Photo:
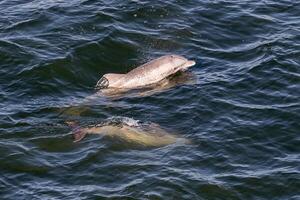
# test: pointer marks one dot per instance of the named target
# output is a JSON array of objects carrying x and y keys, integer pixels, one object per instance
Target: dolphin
[
  {"x": 150, "y": 135},
  {"x": 163, "y": 85},
  {"x": 146, "y": 74},
  {"x": 111, "y": 94}
]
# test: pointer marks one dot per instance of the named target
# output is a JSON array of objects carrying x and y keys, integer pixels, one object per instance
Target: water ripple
[{"x": 240, "y": 110}]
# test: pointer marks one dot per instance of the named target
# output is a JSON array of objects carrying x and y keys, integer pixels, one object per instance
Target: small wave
[{"x": 257, "y": 106}]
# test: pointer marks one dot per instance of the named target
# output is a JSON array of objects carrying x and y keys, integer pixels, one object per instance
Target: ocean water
[{"x": 239, "y": 105}]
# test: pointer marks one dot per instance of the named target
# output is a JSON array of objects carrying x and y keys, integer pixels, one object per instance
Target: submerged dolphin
[
  {"x": 150, "y": 135},
  {"x": 146, "y": 74}
]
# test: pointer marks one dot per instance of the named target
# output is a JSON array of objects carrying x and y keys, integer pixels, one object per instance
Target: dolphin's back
[
  {"x": 154, "y": 138},
  {"x": 164, "y": 61},
  {"x": 146, "y": 74},
  {"x": 152, "y": 71},
  {"x": 150, "y": 66}
]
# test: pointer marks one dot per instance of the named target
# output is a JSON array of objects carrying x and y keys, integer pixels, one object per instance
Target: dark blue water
[{"x": 241, "y": 110}]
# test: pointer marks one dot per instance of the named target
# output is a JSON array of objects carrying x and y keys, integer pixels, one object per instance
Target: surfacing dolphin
[
  {"x": 130, "y": 131},
  {"x": 146, "y": 74},
  {"x": 181, "y": 78}
]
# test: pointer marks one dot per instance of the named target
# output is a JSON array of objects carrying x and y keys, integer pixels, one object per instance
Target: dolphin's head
[
  {"x": 180, "y": 63},
  {"x": 188, "y": 64}
]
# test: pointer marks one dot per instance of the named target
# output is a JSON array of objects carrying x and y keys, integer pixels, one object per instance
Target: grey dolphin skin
[{"x": 146, "y": 74}]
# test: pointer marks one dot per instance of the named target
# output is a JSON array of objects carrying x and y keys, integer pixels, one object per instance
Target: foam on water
[{"x": 124, "y": 120}]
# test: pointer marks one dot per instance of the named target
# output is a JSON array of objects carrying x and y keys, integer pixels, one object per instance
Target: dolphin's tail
[
  {"x": 78, "y": 132},
  {"x": 102, "y": 83}
]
